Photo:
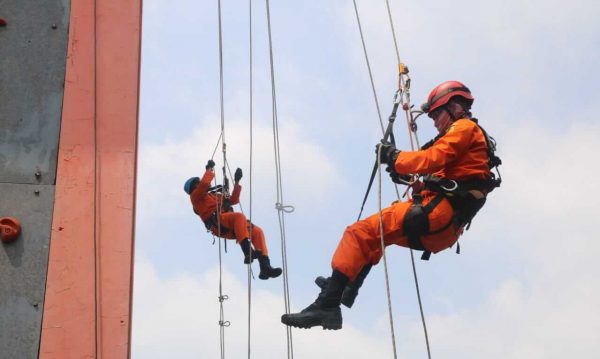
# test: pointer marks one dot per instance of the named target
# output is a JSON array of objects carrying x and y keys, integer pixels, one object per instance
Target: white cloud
[
  {"x": 543, "y": 217},
  {"x": 177, "y": 318},
  {"x": 164, "y": 167},
  {"x": 545, "y": 211}
]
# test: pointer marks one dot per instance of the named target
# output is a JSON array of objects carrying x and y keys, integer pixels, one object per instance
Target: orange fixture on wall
[{"x": 10, "y": 228}]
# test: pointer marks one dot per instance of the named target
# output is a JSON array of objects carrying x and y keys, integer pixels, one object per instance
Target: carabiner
[{"x": 450, "y": 189}]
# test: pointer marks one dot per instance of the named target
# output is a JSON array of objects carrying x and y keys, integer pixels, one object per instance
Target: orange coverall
[
  {"x": 461, "y": 154},
  {"x": 234, "y": 225}
]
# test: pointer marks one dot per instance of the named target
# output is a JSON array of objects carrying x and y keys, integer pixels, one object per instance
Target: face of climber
[
  {"x": 441, "y": 119},
  {"x": 444, "y": 116}
]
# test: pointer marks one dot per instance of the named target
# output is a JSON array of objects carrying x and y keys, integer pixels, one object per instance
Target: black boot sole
[
  {"x": 274, "y": 273},
  {"x": 328, "y": 319}
]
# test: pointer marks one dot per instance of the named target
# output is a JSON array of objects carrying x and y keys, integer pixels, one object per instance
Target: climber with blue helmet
[{"x": 214, "y": 206}]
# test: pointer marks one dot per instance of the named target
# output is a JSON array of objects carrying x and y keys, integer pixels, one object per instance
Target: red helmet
[{"x": 443, "y": 92}]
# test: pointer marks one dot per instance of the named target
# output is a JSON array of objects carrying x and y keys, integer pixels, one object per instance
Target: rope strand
[
  {"x": 280, "y": 213},
  {"x": 222, "y": 323},
  {"x": 404, "y": 87},
  {"x": 403, "y": 95},
  {"x": 250, "y": 170},
  {"x": 385, "y": 265}
]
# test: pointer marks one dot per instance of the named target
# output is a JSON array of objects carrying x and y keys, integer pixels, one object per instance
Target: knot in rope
[
  {"x": 286, "y": 209},
  {"x": 225, "y": 323},
  {"x": 223, "y": 298}
]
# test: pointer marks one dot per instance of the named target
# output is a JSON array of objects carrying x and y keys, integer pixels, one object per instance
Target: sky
[{"x": 526, "y": 282}]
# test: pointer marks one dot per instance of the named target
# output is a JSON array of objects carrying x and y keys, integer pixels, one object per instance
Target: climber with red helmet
[
  {"x": 214, "y": 206},
  {"x": 456, "y": 166}
]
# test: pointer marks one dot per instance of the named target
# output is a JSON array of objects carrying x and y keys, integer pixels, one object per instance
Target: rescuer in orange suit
[
  {"x": 208, "y": 201},
  {"x": 457, "y": 163}
]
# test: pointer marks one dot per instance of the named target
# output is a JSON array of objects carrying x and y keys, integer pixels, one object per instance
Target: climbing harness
[
  {"x": 466, "y": 198},
  {"x": 416, "y": 222}
]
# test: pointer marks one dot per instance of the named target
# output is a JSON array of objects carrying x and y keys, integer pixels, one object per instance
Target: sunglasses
[{"x": 435, "y": 113}]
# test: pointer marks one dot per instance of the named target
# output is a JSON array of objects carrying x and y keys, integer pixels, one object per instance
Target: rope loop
[
  {"x": 286, "y": 208},
  {"x": 224, "y": 323}
]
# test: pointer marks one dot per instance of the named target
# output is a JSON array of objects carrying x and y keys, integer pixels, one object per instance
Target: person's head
[
  {"x": 191, "y": 184},
  {"x": 448, "y": 102}
]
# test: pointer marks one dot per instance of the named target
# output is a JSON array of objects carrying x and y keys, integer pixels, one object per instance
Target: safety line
[
  {"x": 406, "y": 109},
  {"x": 385, "y": 265},
  {"x": 216, "y": 146},
  {"x": 362, "y": 39},
  {"x": 402, "y": 83},
  {"x": 222, "y": 323},
  {"x": 279, "y": 205},
  {"x": 403, "y": 92},
  {"x": 389, "y": 299},
  {"x": 250, "y": 176}
]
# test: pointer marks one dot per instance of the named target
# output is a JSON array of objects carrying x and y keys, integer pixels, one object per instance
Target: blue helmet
[{"x": 189, "y": 185}]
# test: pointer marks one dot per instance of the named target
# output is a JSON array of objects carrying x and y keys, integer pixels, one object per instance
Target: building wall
[
  {"x": 32, "y": 74},
  {"x": 69, "y": 90}
]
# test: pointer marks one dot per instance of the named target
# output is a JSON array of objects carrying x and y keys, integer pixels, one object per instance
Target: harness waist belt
[{"x": 213, "y": 221}]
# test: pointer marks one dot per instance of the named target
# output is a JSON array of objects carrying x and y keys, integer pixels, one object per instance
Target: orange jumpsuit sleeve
[
  {"x": 200, "y": 201},
  {"x": 443, "y": 152},
  {"x": 235, "y": 195}
]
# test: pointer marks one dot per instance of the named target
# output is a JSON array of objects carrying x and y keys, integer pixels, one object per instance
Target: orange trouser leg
[
  {"x": 236, "y": 224},
  {"x": 258, "y": 239},
  {"x": 361, "y": 242}
]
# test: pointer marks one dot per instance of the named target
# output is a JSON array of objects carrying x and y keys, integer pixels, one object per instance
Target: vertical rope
[
  {"x": 406, "y": 107},
  {"x": 364, "y": 46},
  {"x": 251, "y": 150},
  {"x": 402, "y": 83},
  {"x": 404, "y": 97},
  {"x": 389, "y": 299},
  {"x": 279, "y": 205},
  {"x": 362, "y": 39},
  {"x": 222, "y": 323},
  {"x": 385, "y": 265}
]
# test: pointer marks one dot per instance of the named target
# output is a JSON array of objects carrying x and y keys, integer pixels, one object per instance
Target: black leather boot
[
  {"x": 325, "y": 311},
  {"x": 351, "y": 290},
  {"x": 266, "y": 271},
  {"x": 249, "y": 253}
]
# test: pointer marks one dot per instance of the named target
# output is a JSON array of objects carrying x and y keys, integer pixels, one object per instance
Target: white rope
[
  {"x": 280, "y": 212},
  {"x": 250, "y": 175},
  {"x": 385, "y": 265},
  {"x": 222, "y": 323},
  {"x": 403, "y": 95},
  {"x": 405, "y": 88}
]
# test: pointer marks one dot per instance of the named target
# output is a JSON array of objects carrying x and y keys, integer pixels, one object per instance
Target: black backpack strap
[{"x": 416, "y": 222}]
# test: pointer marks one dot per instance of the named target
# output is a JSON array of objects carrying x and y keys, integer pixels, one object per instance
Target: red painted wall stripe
[{"x": 87, "y": 309}]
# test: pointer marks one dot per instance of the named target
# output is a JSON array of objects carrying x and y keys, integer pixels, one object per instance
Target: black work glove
[
  {"x": 388, "y": 154},
  {"x": 398, "y": 178},
  {"x": 210, "y": 165},
  {"x": 238, "y": 175}
]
